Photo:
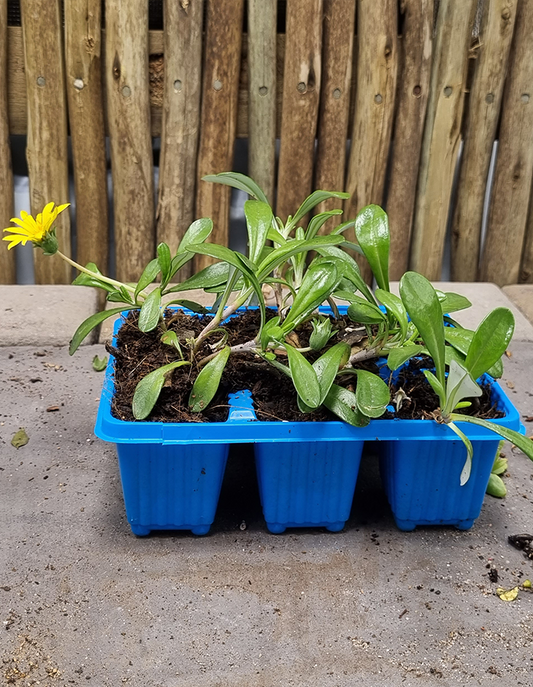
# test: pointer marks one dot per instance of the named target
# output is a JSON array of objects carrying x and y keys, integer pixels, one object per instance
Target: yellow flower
[{"x": 34, "y": 229}]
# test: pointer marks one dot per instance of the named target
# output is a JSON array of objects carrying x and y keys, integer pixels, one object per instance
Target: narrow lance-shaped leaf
[
  {"x": 258, "y": 222},
  {"x": 523, "y": 443},
  {"x": 318, "y": 221},
  {"x": 350, "y": 269},
  {"x": 283, "y": 253},
  {"x": 239, "y": 181},
  {"x": 318, "y": 283},
  {"x": 395, "y": 306},
  {"x": 148, "y": 389},
  {"x": 304, "y": 378},
  {"x": 150, "y": 272},
  {"x": 452, "y": 302},
  {"x": 459, "y": 385},
  {"x": 164, "y": 259},
  {"x": 198, "y": 231},
  {"x": 490, "y": 341},
  {"x": 150, "y": 311},
  {"x": 460, "y": 339},
  {"x": 209, "y": 277},
  {"x": 372, "y": 232},
  {"x": 207, "y": 382},
  {"x": 85, "y": 280},
  {"x": 90, "y": 323},
  {"x": 313, "y": 200},
  {"x": 467, "y": 467},
  {"x": 327, "y": 367},
  {"x": 360, "y": 310},
  {"x": 423, "y": 306}
]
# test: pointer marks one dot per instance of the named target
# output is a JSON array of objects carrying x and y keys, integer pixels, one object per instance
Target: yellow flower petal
[
  {"x": 34, "y": 229},
  {"x": 15, "y": 240}
]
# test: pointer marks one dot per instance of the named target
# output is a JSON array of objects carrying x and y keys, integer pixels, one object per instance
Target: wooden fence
[{"x": 405, "y": 82}]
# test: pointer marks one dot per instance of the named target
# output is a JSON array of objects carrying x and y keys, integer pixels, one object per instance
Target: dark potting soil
[{"x": 138, "y": 353}]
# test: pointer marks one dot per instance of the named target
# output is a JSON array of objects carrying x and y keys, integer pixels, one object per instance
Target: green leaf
[
  {"x": 120, "y": 296},
  {"x": 523, "y": 443},
  {"x": 258, "y": 222},
  {"x": 240, "y": 181},
  {"x": 341, "y": 228},
  {"x": 190, "y": 305},
  {"x": 350, "y": 269},
  {"x": 490, "y": 341},
  {"x": 360, "y": 310},
  {"x": 99, "y": 364},
  {"x": 198, "y": 232},
  {"x": 312, "y": 201},
  {"x": 342, "y": 402},
  {"x": 164, "y": 259},
  {"x": 423, "y": 306},
  {"x": 500, "y": 465},
  {"x": 151, "y": 271},
  {"x": 372, "y": 232},
  {"x": 327, "y": 367},
  {"x": 467, "y": 467},
  {"x": 293, "y": 247},
  {"x": 318, "y": 221},
  {"x": 207, "y": 382},
  {"x": 85, "y": 280},
  {"x": 20, "y": 438},
  {"x": 399, "y": 356},
  {"x": 90, "y": 323},
  {"x": 150, "y": 311},
  {"x": 395, "y": 306},
  {"x": 496, "y": 486},
  {"x": 148, "y": 389},
  {"x": 371, "y": 393},
  {"x": 437, "y": 387},
  {"x": 461, "y": 339},
  {"x": 452, "y": 302},
  {"x": 304, "y": 378},
  {"x": 275, "y": 236},
  {"x": 210, "y": 277},
  {"x": 270, "y": 331},
  {"x": 318, "y": 284}
]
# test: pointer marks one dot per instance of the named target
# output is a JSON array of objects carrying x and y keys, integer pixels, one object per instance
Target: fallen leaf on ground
[
  {"x": 508, "y": 354},
  {"x": 52, "y": 409},
  {"x": 507, "y": 594},
  {"x": 510, "y": 384},
  {"x": 526, "y": 584},
  {"x": 20, "y": 438},
  {"x": 529, "y": 418},
  {"x": 99, "y": 364}
]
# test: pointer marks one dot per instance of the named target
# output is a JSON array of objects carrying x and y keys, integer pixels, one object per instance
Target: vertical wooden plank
[
  {"x": 220, "y": 93},
  {"x": 514, "y": 165},
  {"x": 415, "y": 51},
  {"x": 83, "y": 31},
  {"x": 128, "y": 111},
  {"x": 377, "y": 66},
  {"x": 301, "y": 94},
  {"x": 483, "y": 113},
  {"x": 262, "y": 22},
  {"x": 7, "y": 259},
  {"x": 47, "y": 125},
  {"x": 181, "y": 121},
  {"x": 526, "y": 268},
  {"x": 442, "y": 134},
  {"x": 337, "y": 58}
]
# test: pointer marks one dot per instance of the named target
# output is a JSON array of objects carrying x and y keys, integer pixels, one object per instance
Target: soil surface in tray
[{"x": 138, "y": 353}]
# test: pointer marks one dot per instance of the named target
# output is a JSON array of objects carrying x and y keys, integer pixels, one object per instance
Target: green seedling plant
[{"x": 487, "y": 345}]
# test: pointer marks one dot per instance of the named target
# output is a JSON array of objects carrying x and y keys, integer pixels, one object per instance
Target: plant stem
[
  {"x": 239, "y": 348},
  {"x": 95, "y": 275}
]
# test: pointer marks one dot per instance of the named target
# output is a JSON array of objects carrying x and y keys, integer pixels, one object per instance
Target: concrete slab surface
[
  {"x": 84, "y": 602},
  {"x": 48, "y": 315},
  {"x": 522, "y": 296}
]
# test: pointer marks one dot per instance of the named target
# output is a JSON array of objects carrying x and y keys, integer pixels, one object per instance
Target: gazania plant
[{"x": 307, "y": 266}]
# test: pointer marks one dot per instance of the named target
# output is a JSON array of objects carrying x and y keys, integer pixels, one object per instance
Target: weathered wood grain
[
  {"x": 483, "y": 113},
  {"x": 128, "y": 111},
  {"x": 219, "y": 113},
  {"x": 415, "y": 51},
  {"x": 262, "y": 16},
  {"x": 337, "y": 60},
  {"x": 86, "y": 118},
  {"x": 377, "y": 65},
  {"x": 526, "y": 268},
  {"x": 442, "y": 135},
  {"x": 181, "y": 121},
  {"x": 514, "y": 165},
  {"x": 301, "y": 95},
  {"x": 46, "y": 150},
  {"x": 7, "y": 258}
]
